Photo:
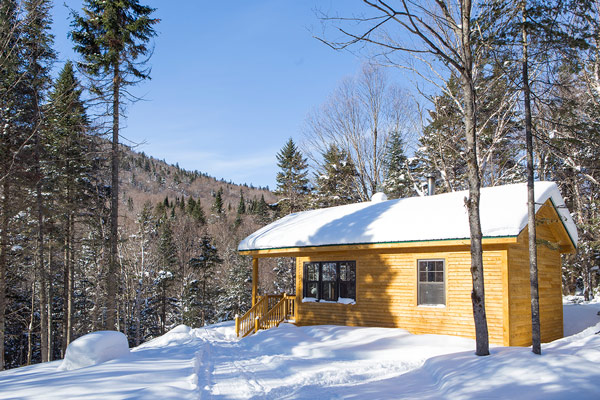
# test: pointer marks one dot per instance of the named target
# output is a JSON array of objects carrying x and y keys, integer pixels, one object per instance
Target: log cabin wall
[
  {"x": 549, "y": 234},
  {"x": 386, "y": 291}
]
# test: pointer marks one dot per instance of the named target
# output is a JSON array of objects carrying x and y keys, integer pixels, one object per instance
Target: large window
[
  {"x": 330, "y": 281},
  {"x": 431, "y": 282}
]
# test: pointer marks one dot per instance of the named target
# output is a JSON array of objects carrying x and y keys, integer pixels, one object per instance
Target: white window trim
[{"x": 433, "y": 306}]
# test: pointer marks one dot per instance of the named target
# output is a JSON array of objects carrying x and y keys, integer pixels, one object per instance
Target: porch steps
[{"x": 268, "y": 312}]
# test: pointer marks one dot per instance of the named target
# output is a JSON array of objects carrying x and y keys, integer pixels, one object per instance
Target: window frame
[
  {"x": 442, "y": 284},
  {"x": 321, "y": 282}
]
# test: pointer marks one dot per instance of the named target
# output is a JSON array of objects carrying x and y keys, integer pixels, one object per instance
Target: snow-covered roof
[{"x": 503, "y": 211}]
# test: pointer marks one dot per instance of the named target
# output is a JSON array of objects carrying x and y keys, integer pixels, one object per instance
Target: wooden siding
[
  {"x": 386, "y": 290},
  {"x": 550, "y": 242}
]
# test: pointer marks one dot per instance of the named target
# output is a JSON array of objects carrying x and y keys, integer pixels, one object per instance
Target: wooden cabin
[{"x": 406, "y": 264}]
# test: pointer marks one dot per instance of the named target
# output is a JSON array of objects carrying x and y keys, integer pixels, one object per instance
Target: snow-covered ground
[{"x": 328, "y": 362}]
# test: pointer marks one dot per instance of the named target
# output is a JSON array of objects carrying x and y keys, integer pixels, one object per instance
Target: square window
[{"x": 330, "y": 281}]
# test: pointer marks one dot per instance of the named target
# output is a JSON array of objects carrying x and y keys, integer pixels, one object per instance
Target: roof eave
[{"x": 295, "y": 250}]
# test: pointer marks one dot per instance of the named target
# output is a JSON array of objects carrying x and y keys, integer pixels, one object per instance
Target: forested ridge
[{"x": 178, "y": 260}]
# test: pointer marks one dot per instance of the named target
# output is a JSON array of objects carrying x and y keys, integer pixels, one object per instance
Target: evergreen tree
[
  {"x": 191, "y": 205},
  {"x": 11, "y": 140},
  {"x": 285, "y": 275},
  {"x": 242, "y": 204},
  {"x": 335, "y": 181},
  {"x": 111, "y": 36},
  {"x": 69, "y": 146},
  {"x": 168, "y": 262},
  {"x": 442, "y": 145},
  {"x": 262, "y": 211},
  {"x": 236, "y": 299},
  {"x": 397, "y": 183},
  {"x": 163, "y": 302},
  {"x": 217, "y": 207},
  {"x": 241, "y": 210},
  {"x": 39, "y": 56},
  {"x": 198, "y": 213},
  {"x": 204, "y": 263},
  {"x": 292, "y": 181}
]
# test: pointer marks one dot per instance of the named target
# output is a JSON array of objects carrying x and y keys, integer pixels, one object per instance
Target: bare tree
[
  {"x": 440, "y": 33},
  {"x": 359, "y": 118}
]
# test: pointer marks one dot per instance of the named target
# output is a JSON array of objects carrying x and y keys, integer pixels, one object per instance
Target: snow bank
[
  {"x": 329, "y": 362},
  {"x": 179, "y": 335},
  {"x": 94, "y": 348},
  {"x": 579, "y": 315}
]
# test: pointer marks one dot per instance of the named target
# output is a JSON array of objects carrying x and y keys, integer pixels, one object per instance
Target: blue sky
[{"x": 231, "y": 82}]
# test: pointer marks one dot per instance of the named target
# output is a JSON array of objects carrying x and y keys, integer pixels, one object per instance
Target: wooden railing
[
  {"x": 277, "y": 314},
  {"x": 269, "y": 311},
  {"x": 247, "y": 323}
]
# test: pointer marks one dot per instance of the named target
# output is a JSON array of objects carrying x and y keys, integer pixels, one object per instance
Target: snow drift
[
  {"x": 327, "y": 362},
  {"x": 94, "y": 348}
]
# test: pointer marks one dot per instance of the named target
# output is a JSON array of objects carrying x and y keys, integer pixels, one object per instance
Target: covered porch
[{"x": 267, "y": 311}]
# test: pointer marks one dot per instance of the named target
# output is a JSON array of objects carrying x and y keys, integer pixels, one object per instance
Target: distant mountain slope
[{"x": 145, "y": 178}]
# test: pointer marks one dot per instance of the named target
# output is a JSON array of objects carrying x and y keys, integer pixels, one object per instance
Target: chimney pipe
[{"x": 430, "y": 185}]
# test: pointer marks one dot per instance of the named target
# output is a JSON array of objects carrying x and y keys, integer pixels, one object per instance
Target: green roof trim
[{"x": 367, "y": 243}]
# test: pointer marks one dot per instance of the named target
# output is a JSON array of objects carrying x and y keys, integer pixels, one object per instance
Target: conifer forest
[{"x": 97, "y": 236}]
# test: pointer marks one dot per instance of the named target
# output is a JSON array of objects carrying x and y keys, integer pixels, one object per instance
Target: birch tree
[
  {"x": 359, "y": 118},
  {"x": 440, "y": 33}
]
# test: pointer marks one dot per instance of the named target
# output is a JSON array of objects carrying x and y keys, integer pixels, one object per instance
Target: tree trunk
[
  {"x": 4, "y": 242},
  {"x": 70, "y": 277},
  {"x": 49, "y": 305},
  {"x": 40, "y": 265},
  {"x": 111, "y": 279},
  {"x": 65, "y": 291},
  {"x": 137, "y": 314},
  {"x": 533, "y": 269},
  {"x": 164, "y": 311},
  {"x": 478, "y": 291},
  {"x": 30, "y": 326}
]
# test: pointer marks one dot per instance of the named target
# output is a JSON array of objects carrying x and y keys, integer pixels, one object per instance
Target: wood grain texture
[
  {"x": 549, "y": 279},
  {"x": 386, "y": 290}
]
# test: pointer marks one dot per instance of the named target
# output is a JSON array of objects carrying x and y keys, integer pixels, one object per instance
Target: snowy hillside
[{"x": 328, "y": 362}]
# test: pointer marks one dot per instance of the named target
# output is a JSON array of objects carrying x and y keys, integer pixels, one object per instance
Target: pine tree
[
  {"x": 191, "y": 205},
  {"x": 397, "y": 183},
  {"x": 198, "y": 213},
  {"x": 261, "y": 210},
  {"x": 335, "y": 181},
  {"x": 442, "y": 146},
  {"x": 285, "y": 275},
  {"x": 241, "y": 210},
  {"x": 10, "y": 142},
  {"x": 69, "y": 145},
  {"x": 168, "y": 262},
  {"x": 217, "y": 207},
  {"x": 292, "y": 181},
  {"x": 204, "y": 263},
  {"x": 236, "y": 299},
  {"x": 39, "y": 56},
  {"x": 111, "y": 36}
]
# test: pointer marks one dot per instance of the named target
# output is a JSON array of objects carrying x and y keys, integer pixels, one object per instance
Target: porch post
[{"x": 254, "y": 280}]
